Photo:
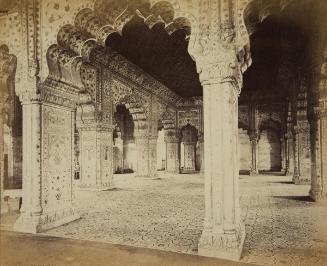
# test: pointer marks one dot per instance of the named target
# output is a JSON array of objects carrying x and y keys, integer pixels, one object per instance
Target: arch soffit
[{"x": 70, "y": 59}]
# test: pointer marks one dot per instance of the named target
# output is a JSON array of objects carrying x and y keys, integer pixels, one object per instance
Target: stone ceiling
[
  {"x": 278, "y": 52},
  {"x": 164, "y": 57}
]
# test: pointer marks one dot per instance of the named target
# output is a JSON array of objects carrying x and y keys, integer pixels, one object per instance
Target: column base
[
  {"x": 253, "y": 172},
  {"x": 301, "y": 180},
  {"x": 318, "y": 195},
  {"x": 225, "y": 245},
  {"x": 35, "y": 223}
]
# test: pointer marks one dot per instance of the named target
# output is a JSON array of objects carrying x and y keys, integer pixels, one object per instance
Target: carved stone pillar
[
  {"x": 96, "y": 158},
  {"x": 201, "y": 143},
  {"x": 223, "y": 234},
  {"x": 318, "y": 134},
  {"x": 289, "y": 154},
  {"x": 283, "y": 154},
  {"x": 254, "y": 138},
  {"x": 172, "y": 153},
  {"x": 318, "y": 129},
  {"x": 296, "y": 156},
  {"x": 302, "y": 148},
  {"x": 146, "y": 152},
  {"x": 48, "y": 156}
]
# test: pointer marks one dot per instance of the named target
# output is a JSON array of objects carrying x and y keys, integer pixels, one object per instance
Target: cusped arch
[{"x": 81, "y": 52}]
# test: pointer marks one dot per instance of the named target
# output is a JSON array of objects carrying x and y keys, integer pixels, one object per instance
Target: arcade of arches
[{"x": 93, "y": 88}]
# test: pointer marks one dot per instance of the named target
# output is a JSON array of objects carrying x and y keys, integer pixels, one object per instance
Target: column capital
[{"x": 220, "y": 68}]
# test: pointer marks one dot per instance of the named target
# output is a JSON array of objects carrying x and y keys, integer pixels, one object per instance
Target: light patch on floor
[{"x": 283, "y": 226}]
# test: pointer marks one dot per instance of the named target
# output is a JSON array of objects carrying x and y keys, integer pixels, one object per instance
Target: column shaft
[{"x": 223, "y": 234}]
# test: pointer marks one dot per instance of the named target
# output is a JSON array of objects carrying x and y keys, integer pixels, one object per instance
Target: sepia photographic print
[{"x": 163, "y": 132}]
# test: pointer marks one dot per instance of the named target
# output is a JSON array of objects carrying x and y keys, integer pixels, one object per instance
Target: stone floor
[{"x": 283, "y": 226}]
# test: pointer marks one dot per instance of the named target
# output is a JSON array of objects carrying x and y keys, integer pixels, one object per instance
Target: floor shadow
[
  {"x": 282, "y": 182},
  {"x": 274, "y": 173},
  {"x": 296, "y": 198},
  {"x": 244, "y": 172}
]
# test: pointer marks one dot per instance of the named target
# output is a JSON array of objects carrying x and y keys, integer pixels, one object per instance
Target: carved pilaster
[
  {"x": 172, "y": 151},
  {"x": 146, "y": 151},
  {"x": 96, "y": 149},
  {"x": 47, "y": 166}
]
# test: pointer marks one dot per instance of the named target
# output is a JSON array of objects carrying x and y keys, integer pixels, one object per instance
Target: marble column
[
  {"x": 48, "y": 156},
  {"x": 224, "y": 233},
  {"x": 201, "y": 143},
  {"x": 302, "y": 148},
  {"x": 318, "y": 135},
  {"x": 254, "y": 137},
  {"x": 283, "y": 154},
  {"x": 289, "y": 154},
  {"x": 172, "y": 153},
  {"x": 296, "y": 173},
  {"x": 318, "y": 132},
  {"x": 96, "y": 164},
  {"x": 146, "y": 152}
]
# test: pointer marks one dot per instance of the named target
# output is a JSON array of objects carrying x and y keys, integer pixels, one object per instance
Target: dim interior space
[{"x": 137, "y": 125}]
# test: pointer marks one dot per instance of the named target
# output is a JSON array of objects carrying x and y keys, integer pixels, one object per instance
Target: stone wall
[{"x": 269, "y": 150}]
